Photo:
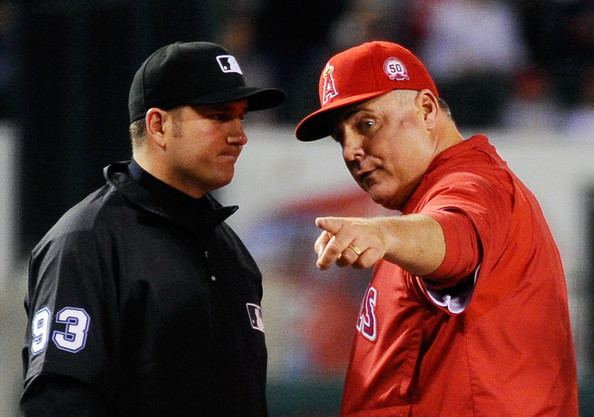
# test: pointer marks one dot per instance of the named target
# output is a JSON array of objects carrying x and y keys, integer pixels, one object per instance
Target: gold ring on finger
[{"x": 355, "y": 249}]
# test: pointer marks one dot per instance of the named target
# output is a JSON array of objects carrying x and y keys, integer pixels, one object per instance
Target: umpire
[{"x": 141, "y": 300}]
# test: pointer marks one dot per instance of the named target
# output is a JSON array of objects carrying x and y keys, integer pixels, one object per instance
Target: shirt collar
[{"x": 157, "y": 197}]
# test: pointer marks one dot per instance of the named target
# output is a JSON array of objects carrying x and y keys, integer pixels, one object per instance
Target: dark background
[
  {"x": 77, "y": 61},
  {"x": 67, "y": 65}
]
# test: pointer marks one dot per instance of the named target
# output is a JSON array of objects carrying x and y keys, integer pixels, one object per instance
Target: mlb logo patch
[
  {"x": 255, "y": 315},
  {"x": 228, "y": 63}
]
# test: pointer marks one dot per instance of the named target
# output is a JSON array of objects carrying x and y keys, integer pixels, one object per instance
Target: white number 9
[{"x": 40, "y": 330}]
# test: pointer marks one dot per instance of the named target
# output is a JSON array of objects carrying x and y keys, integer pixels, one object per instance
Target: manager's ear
[
  {"x": 155, "y": 126},
  {"x": 428, "y": 107}
]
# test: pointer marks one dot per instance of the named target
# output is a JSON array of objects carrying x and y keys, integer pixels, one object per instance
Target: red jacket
[{"x": 487, "y": 334}]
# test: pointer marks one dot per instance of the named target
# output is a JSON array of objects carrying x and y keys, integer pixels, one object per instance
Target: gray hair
[
  {"x": 407, "y": 96},
  {"x": 445, "y": 107}
]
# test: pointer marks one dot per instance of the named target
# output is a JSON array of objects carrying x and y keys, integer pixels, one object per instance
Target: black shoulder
[{"x": 91, "y": 215}]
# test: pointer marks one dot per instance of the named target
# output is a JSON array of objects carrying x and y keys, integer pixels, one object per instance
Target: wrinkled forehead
[
  {"x": 386, "y": 105},
  {"x": 395, "y": 99}
]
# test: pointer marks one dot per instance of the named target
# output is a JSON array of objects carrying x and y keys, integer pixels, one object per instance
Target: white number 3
[{"x": 72, "y": 339}]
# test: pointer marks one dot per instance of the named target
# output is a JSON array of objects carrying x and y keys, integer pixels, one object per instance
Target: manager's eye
[{"x": 366, "y": 124}]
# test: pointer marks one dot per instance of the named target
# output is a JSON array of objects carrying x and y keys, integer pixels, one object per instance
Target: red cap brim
[{"x": 320, "y": 123}]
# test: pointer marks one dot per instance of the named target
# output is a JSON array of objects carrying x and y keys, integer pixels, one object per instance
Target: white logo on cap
[
  {"x": 329, "y": 90},
  {"x": 395, "y": 69},
  {"x": 228, "y": 63}
]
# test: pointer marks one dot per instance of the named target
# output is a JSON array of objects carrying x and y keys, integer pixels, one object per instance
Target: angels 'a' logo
[
  {"x": 367, "y": 322},
  {"x": 329, "y": 88}
]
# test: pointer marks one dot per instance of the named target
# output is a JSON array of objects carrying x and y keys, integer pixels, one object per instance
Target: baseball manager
[{"x": 466, "y": 314}]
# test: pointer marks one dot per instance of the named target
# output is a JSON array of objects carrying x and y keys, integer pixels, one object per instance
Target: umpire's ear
[{"x": 155, "y": 120}]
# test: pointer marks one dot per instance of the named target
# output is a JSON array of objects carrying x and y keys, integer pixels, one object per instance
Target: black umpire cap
[{"x": 186, "y": 73}]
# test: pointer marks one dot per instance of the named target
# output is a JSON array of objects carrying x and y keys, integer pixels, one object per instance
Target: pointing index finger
[
  {"x": 330, "y": 224},
  {"x": 332, "y": 242}
]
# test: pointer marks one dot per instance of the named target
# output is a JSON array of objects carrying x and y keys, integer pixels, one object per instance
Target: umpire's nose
[{"x": 237, "y": 135}]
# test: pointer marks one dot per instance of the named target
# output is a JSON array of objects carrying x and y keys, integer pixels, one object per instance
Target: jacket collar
[{"x": 155, "y": 197}]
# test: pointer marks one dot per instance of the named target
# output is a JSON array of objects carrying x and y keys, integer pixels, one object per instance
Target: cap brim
[
  {"x": 258, "y": 98},
  {"x": 320, "y": 123}
]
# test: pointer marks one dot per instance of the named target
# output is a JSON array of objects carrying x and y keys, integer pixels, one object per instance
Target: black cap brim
[{"x": 258, "y": 98}]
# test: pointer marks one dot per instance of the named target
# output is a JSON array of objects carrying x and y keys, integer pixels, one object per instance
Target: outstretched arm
[{"x": 415, "y": 242}]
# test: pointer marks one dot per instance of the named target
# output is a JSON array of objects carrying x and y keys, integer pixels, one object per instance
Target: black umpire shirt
[{"x": 143, "y": 302}]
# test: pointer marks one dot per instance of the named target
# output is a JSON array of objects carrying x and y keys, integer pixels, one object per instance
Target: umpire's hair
[{"x": 137, "y": 131}]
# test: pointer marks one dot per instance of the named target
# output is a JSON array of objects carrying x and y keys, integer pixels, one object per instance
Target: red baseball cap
[{"x": 359, "y": 74}]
